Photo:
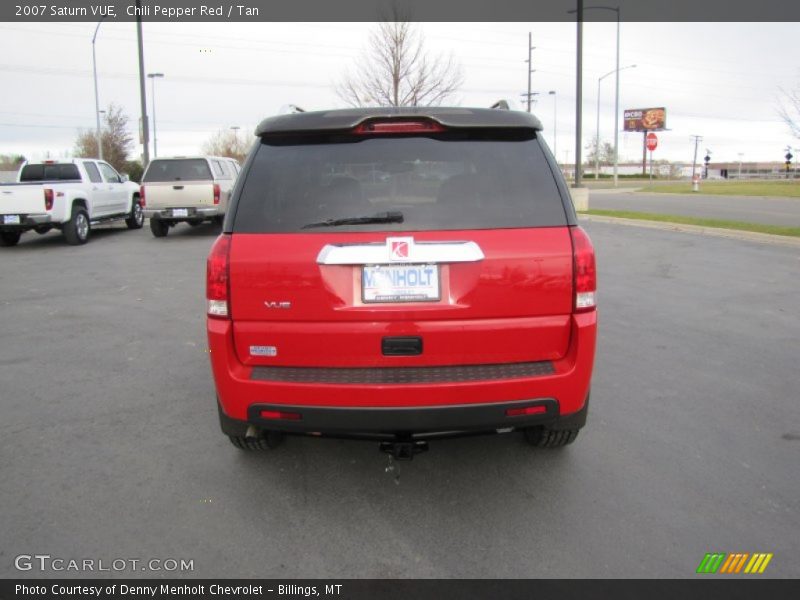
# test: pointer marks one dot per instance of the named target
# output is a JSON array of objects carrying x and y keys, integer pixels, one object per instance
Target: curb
[{"x": 750, "y": 236}]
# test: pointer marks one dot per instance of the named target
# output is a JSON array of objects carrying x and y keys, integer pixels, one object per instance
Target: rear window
[
  {"x": 188, "y": 169},
  {"x": 455, "y": 180},
  {"x": 56, "y": 172}
]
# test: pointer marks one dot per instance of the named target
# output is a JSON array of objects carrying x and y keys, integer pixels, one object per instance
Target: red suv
[{"x": 401, "y": 274}]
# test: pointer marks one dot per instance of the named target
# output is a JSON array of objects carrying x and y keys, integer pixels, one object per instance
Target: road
[
  {"x": 751, "y": 209},
  {"x": 110, "y": 445}
]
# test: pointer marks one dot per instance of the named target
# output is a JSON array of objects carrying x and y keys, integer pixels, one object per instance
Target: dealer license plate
[
  {"x": 180, "y": 212},
  {"x": 11, "y": 219},
  {"x": 400, "y": 283}
]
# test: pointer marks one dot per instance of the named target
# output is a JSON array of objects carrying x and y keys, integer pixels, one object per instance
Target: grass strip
[{"x": 700, "y": 222}]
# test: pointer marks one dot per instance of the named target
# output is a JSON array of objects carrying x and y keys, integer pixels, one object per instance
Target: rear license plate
[
  {"x": 400, "y": 283},
  {"x": 180, "y": 212},
  {"x": 11, "y": 219}
]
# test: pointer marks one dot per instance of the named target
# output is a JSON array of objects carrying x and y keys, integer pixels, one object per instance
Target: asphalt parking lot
[{"x": 110, "y": 444}]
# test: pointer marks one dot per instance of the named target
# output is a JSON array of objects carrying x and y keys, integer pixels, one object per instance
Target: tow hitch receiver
[{"x": 403, "y": 450}]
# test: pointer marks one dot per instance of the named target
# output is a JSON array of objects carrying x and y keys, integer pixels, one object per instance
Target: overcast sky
[{"x": 718, "y": 80}]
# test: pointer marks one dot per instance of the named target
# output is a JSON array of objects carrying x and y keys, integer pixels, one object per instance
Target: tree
[
  {"x": 117, "y": 140},
  {"x": 606, "y": 152},
  {"x": 395, "y": 70},
  {"x": 789, "y": 110},
  {"x": 227, "y": 142},
  {"x": 10, "y": 162}
]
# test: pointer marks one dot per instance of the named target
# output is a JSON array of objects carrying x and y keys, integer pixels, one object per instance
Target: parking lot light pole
[
  {"x": 153, "y": 77},
  {"x": 616, "y": 125},
  {"x": 96, "y": 94},
  {"x": 555, "y": 123}
]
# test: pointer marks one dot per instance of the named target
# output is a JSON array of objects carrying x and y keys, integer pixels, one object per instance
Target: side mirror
[{"x": 124, "y": 178}]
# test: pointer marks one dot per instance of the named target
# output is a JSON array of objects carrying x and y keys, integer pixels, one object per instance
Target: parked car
[
  {"x": 70, "y": 195},
  {"x": 187, "y": 188},
  {"x": 401, "y": 308}
]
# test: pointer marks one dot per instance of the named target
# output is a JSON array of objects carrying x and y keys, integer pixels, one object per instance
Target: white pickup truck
[
  {"x": 187, "y": 188},
  {"x": 69, "y": 195}
]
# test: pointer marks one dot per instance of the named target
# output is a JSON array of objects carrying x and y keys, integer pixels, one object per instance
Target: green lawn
[
  {"x": 683, "y": 220},
  {"x": 789, "y": 188}
]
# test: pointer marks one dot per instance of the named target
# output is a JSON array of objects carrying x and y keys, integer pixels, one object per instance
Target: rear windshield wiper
[{"x": 385, "y": 217}]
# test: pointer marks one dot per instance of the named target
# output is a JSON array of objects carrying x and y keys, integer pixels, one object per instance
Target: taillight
[
  {"x": 281, "y": 415},
  {"x": 585, "y": 272},
  {"x": 217, "y": 278},
  {"x": 48, "y": 199},
  {"x": 216, "y": 193},
  {"x": 399, "y": 126},
  {"x": 141, "y": 196}
]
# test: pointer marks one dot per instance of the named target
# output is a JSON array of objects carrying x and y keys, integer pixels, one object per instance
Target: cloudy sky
[{"x": 718, "y": 80}]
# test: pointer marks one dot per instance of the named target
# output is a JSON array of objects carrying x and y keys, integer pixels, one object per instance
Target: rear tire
[
  {"x": 540, "y": 437},
  {"x": 158, "y": 227},
  {"x": 9, "y": 238},
  {"x": 77, "y": 229},
  {"x": 269, "y": 440},
  {"x": 136, "y": 218}
]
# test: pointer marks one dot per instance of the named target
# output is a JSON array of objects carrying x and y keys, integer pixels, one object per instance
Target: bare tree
[
  {"x": 789, "y": 110},
  {"x": 227, "y": 142},
  {"x": 395, "y": 70},
  {"x": 117, "y": 139}
]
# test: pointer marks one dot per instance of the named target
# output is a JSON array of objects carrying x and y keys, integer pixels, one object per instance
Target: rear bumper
[
  {"x": 418, "y": 406},
  {"x": 26, "y": 222},
  {"x": 203, "y": 212}
]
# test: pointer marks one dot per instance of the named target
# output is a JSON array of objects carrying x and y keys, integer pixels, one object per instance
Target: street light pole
[
  {"x": 616, "y": 112},
  {"x": 153, "y": 77},
  {"x": 616, "y": 124},
  {"x": 555, "y": 123},
  {"x": 96, "y": 94}
]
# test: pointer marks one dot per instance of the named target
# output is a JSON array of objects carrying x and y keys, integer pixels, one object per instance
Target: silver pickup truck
[
  {"x": 69, "y": 195},
  {"x": 190, "y": 189}
]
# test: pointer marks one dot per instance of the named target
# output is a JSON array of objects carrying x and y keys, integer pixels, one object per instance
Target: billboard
[{"x": 645, "y": 119}]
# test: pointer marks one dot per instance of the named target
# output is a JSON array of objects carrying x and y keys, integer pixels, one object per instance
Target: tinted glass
[
  {"x": 62, "y": 172},
  {"x": 189, "y": 169},
  {"x": 449, "y": 182},
  {"x": 91, "y": 170}
]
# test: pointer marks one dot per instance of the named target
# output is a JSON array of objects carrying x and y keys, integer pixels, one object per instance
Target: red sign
[{"x": 652, "y": 141}]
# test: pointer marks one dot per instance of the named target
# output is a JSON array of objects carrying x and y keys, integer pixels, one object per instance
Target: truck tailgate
[
  {"x": 179, "y": 194},
  {"x": 21, "y": 199}
]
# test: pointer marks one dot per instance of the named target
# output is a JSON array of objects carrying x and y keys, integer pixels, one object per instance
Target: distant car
[
  {"x": 401, "y": 308},
  {"x": 70, "y": 195},
  {"x": 190, "y": 189}
]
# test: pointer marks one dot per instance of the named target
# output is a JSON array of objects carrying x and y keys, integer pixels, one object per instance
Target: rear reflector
[
  {"x": 585, "y": 271},
  {"x": 401, "y": 126},
  {"x": 217, "y": 284},
  {"x": 277, "y": 414},
  {"x": 528, "y": 410}
]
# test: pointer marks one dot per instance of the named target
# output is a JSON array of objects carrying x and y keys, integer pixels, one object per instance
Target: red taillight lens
[
  {"x": 279, "y": 414},
  {"x": 141, "y": 196},
  {"x": 585, "y": 272},
  {"x": 217, "y": 278},
  {"x": 401, "y": 126},
  {"x": 216, "y": 193},
  {"x": 48, "y": 199}
]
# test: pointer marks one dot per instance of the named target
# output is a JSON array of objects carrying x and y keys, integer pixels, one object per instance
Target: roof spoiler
[{"x": 501, "y": 105}]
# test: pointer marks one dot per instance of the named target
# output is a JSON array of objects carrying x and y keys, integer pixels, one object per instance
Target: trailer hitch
[{"x": 403, "y": 449}]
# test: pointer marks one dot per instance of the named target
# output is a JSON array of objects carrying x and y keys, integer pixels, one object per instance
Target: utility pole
[
  {"x": 529, "y": 95},
  {"x": 96, "y": 95},
  {"x": 579, "y": 95},
  {"x": 142, "y": 93},
  {"x": 697, "y": 140}
]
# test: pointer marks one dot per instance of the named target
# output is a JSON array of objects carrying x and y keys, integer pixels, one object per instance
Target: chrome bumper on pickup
[{"x": 191, "y": 213}]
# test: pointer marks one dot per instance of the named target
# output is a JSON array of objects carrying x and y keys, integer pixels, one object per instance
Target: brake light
[
  {"x": 584, "y": 271},
  {"x": 216, "y": 193},
  {"x": 402, "y": 126},
  {"x": 48, "y": 199},
  {"x": 217, "y": 278},
  {"x": 141, "y": 196}
]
